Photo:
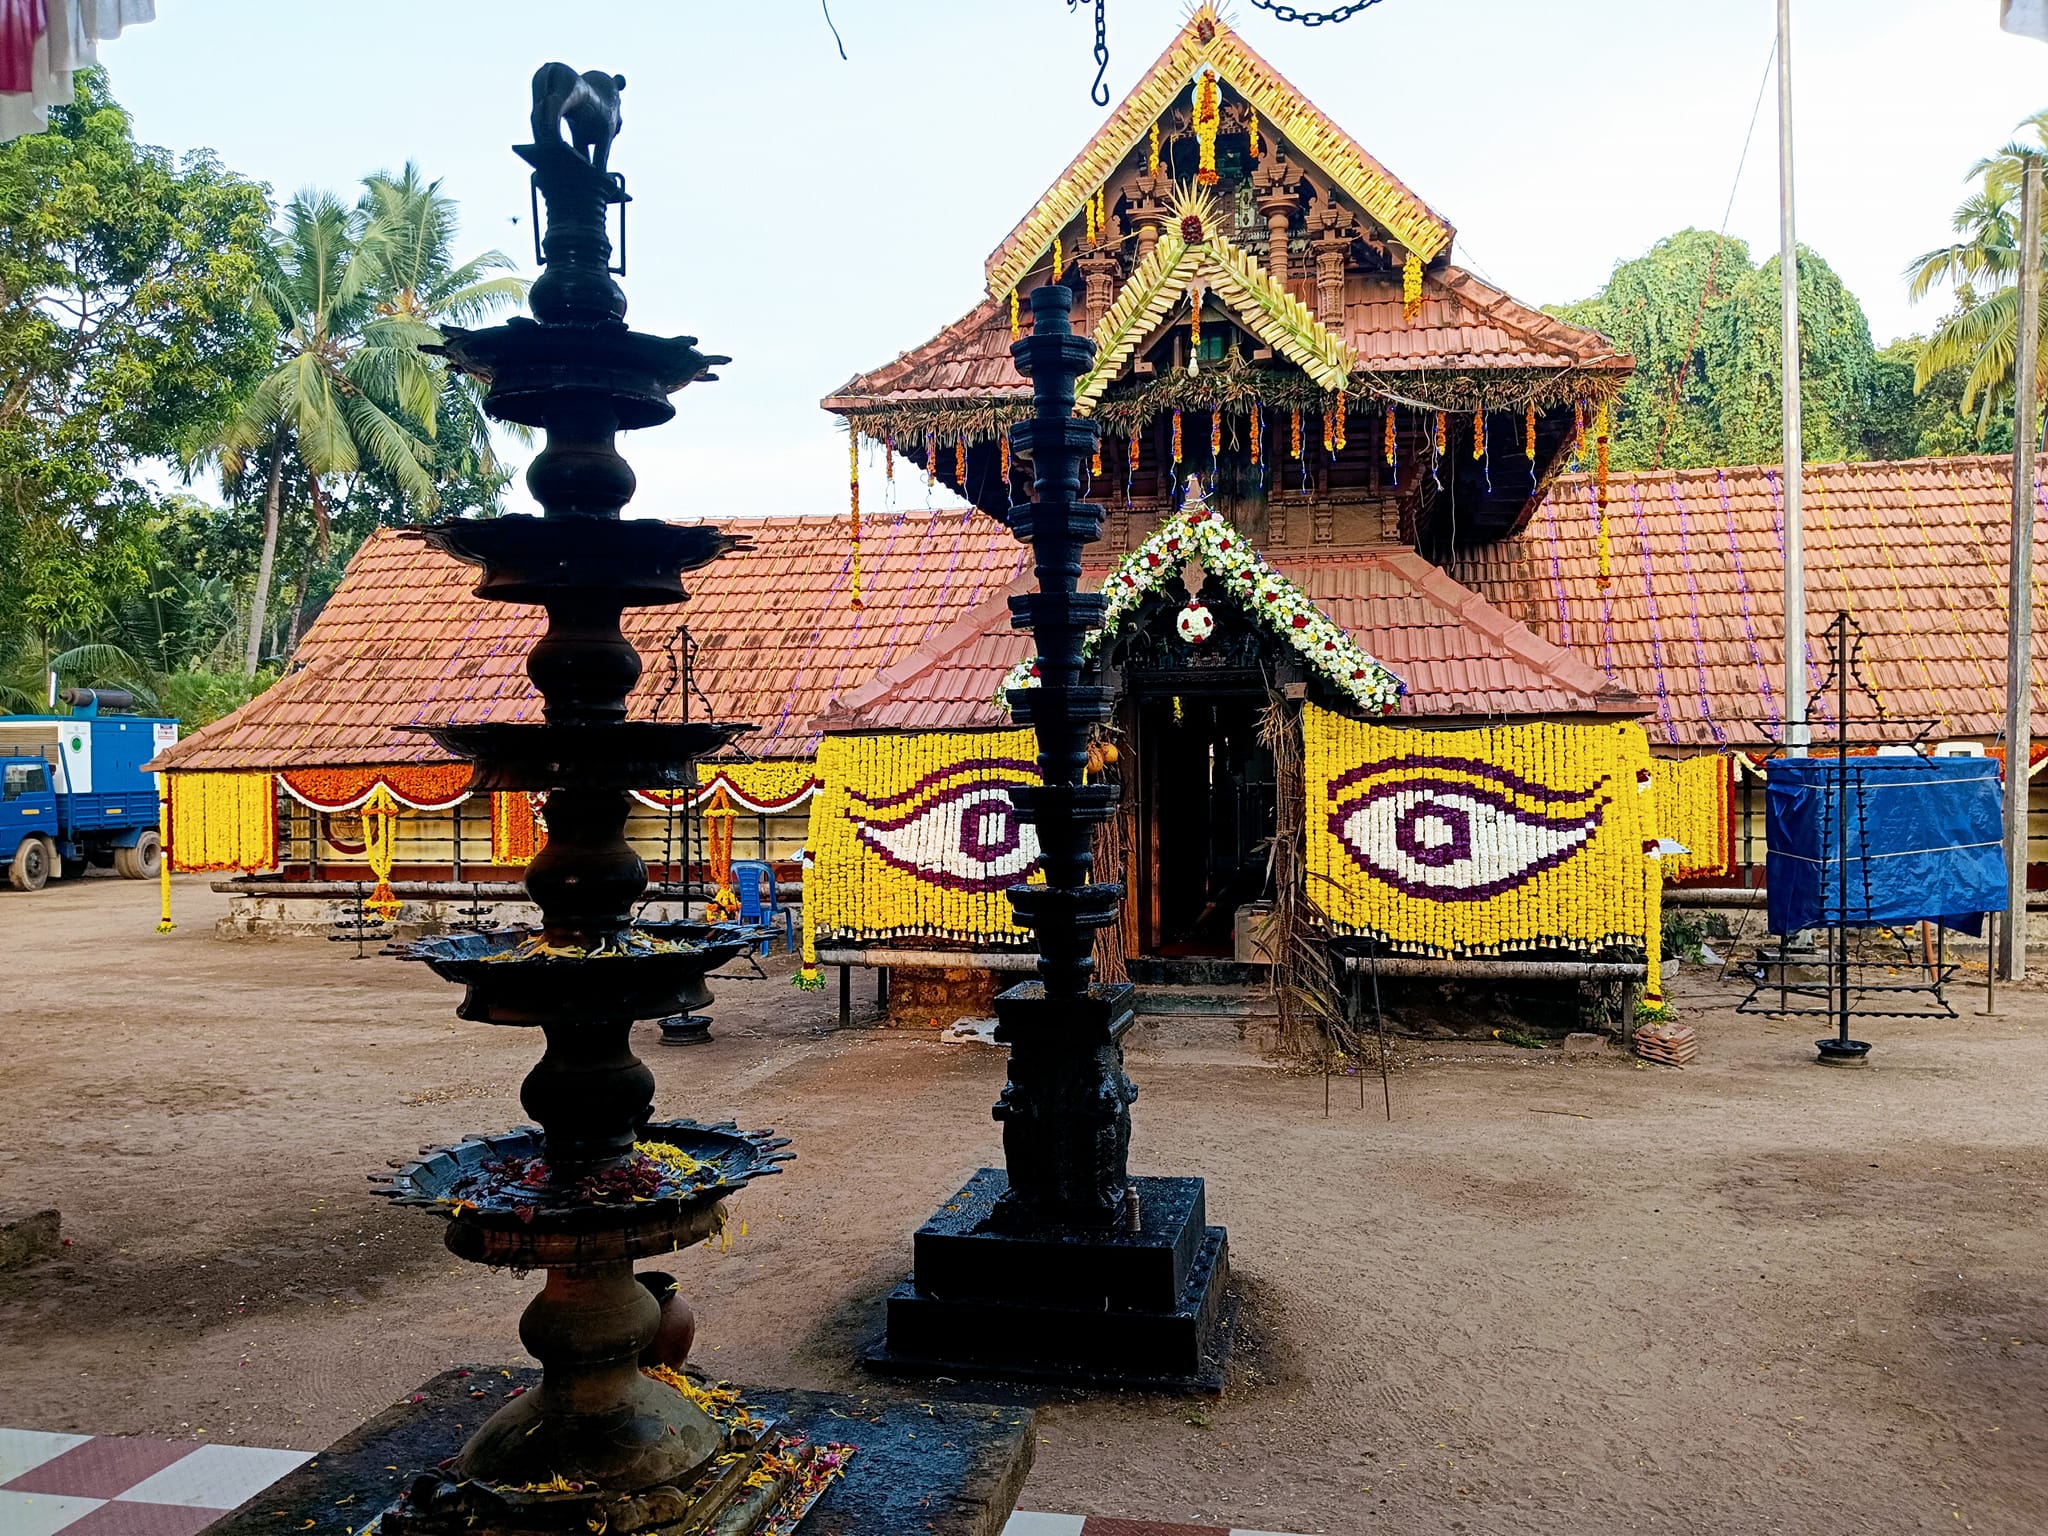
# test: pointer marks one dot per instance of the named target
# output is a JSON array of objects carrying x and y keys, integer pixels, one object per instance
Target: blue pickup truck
[{"x": 73, "y": 793}]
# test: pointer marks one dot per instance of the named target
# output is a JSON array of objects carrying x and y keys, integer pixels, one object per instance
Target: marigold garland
[
  {"x": 1294, "y": 433},
  {"x": 517, "y": 832},
  {"x": 1329, "y": 432},
  {"x": 889, "y": 456},
  {"x": 1693, "y": 810},
  {"x": 1535, "y": 837},
  {"x": 163, "y": 863},
  {"x": 1253, "y": 128},
  {"x": 853, "y": 521},
  {"x": 1059, "y": 261},
  {"x": 1003, "y": 451},
  {"x": 1208, "y": 118},
  {"x": 913, "y": 835},
  {"x": 417, "y": 786},
  {"x": 380, "y": 846},
  {"x": 1257, "y": 417},
  {"x": 719, "y": 819},
  {"x": 1411, "y": 287},
  {"x": 1088, "y": 218},
  {"x": 1215, "y": 434},
  {"x": 1176, "y": 435},
  {"x": 1095, "y": 460},
  {"x": 1440, "y": 434},
  {"x": 931, "y": 458},
  {"x": 1340, "y": 408},
  {"x": 1529, "y": 434},
  {"x": 221, "y": 821},
  {"x": 960, "y": 462},
  {"x": 1152, "y": 153},
  {"x": 1390, "y": 443},
  {"x": 1479, "y": 434},
  {"x": 1016, "y": 328}
]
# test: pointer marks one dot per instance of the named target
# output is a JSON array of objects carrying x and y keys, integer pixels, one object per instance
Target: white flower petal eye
[
  {"x": 1457, "y": 841},
  {"x": 967, "y": 838}
]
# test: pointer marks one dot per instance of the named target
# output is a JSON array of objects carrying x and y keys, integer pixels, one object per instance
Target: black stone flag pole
[{"x": 1062, "y": 1267}]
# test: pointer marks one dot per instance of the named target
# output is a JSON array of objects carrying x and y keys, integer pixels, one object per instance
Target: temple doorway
[{"x": 1207, "y": 816}]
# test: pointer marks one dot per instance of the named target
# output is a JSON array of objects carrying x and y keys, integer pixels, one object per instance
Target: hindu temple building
[{"x": 1403, "y": 523}]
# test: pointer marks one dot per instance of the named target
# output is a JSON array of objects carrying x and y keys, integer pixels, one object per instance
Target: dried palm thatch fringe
[{"x": 1311, "y": 1026}]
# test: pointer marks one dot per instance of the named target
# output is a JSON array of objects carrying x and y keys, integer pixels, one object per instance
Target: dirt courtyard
[{"x": 1552, "y": 1295}]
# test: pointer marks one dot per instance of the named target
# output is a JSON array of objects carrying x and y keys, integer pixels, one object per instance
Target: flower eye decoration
[
  {"x": 1457, "y": 828},
  {"x": 954, "y": 828}
]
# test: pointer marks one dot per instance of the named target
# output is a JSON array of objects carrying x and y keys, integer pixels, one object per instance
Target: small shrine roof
[{"x": 1693, "y": 615}]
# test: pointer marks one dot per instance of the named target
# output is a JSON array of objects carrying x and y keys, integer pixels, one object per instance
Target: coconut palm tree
[
  {"x": 409, "y": 228},
  {"x": 1982, "y": 269},
  {"x": 357, "y": 292}
]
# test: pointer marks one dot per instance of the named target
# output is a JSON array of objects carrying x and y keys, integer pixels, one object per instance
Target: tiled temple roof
[{"x": 1693, "y": 615}]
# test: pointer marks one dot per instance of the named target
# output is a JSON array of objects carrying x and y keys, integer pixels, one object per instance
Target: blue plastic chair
[{"x": 754, "y": 880}]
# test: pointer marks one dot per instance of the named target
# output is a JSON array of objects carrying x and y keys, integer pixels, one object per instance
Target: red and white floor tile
[{"x": 107, "y": 1485}]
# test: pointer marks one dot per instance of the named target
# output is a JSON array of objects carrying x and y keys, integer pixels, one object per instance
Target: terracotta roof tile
[
  {"x": 1693, "y": 618},
  {"x": 404, "y": 641},
  {"x": 1459, "y": 656}
]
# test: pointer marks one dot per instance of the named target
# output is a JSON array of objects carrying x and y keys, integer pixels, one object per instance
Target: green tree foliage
[
  {"x": 1978, "y": 339},
  {"x": 1703, "y": 323},
  {"x": 127, "y": 333}
]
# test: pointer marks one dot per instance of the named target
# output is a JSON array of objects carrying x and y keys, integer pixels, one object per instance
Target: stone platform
[
  {"x": 934, "y": 1469},
  {"x": 1146, "y": 1309}
]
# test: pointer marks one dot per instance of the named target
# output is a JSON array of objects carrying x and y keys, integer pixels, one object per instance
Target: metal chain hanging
[
  {"x": 1312, "y": 18},
  {"x": 1099, "y": 92}
]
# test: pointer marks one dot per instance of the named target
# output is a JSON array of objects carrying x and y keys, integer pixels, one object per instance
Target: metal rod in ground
[
  {"x": 2019, "y": 647},
  {"x": 1991, "y": 965},
  {"x": 1842, "y": 822}
]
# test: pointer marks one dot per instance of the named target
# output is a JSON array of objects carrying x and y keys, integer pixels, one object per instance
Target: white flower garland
[{"x": 1204, "y": 535}]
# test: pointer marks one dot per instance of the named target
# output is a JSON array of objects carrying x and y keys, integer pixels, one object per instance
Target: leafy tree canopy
[
  {"x": 1703, "y": 322},
  {"x": 128, "y": 332}
]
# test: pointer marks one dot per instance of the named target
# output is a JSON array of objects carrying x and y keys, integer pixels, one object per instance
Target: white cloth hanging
[{"x": 70, "y": 41}]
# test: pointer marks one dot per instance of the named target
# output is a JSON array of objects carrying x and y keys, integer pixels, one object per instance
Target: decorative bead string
[
  {"x": 1564, "y": 613},
  {"x": 1756, "y": 655},
  {"x": 1635, "y": 492},
  {"x": 1692, "y": 587}
]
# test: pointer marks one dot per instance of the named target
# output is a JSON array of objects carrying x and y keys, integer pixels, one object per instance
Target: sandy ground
[{"x": 1556, "y": 1295}]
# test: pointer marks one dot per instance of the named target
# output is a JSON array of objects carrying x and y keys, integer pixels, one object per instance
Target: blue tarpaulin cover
[{"x": 1924, "y": 842}]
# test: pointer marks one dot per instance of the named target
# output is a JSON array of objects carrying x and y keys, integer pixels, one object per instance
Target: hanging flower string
[
  {"x": 1479, "y": 434},
  {"x": 1340, "y": 409},
  {"x": 1440, "y": 434},
  {"x": 1003, "y": 442},
  {"x": 1390, "y": 437},
  {"x": 1294, "y": 433},
  {"x": 1411, "y": 287},
  {"x": 853, "y": 521},
  {"x": 1152, "y": 153},
  {"x": 1529, "y": 434},
  {"x": 1329, "y": 432},
  {"x": 1600, "y": 423},
  {"x": 1215, "y": 434},
  {"x": 380, "y": 844},
  {"x": 1252, "y": 146},
  {"x": 1202, "y": 534},
  {"x": 1257, "y": 413},
  {"x": 1016, "y": 329},
  {"x": 1176, "y": 435},
  {"x": 1208, "y": 118},
  {"x": 1059, "y": 261}
]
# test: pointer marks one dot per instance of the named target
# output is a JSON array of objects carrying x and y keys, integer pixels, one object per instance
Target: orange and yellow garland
[
  {"x": 1208, "y": 118},
  {"x": 380, "y": 845},
  {"x": 1411, "y": 287},
  {"x": 719, "y": 817}
]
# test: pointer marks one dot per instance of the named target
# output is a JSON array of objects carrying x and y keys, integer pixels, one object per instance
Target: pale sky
[{"x": 813, "y": 218}]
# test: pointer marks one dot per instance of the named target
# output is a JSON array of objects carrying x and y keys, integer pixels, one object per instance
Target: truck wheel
[
  {"x": 30, "y": 869},
  {"x": 139, "y": 862}
]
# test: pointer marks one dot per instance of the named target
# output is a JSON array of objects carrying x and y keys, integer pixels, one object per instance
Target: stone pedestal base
[
  {"x": 943, "y": 1469},
  {"x": 1145, "y": 1308}
]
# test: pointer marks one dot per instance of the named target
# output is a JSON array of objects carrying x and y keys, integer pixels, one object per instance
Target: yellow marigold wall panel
[
  {"x": 1693, "y": 809},
  {"x": 223, "y": 821},
  {"x": 915, "y": 836},
  {"x": 1454, "y": 843}
]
